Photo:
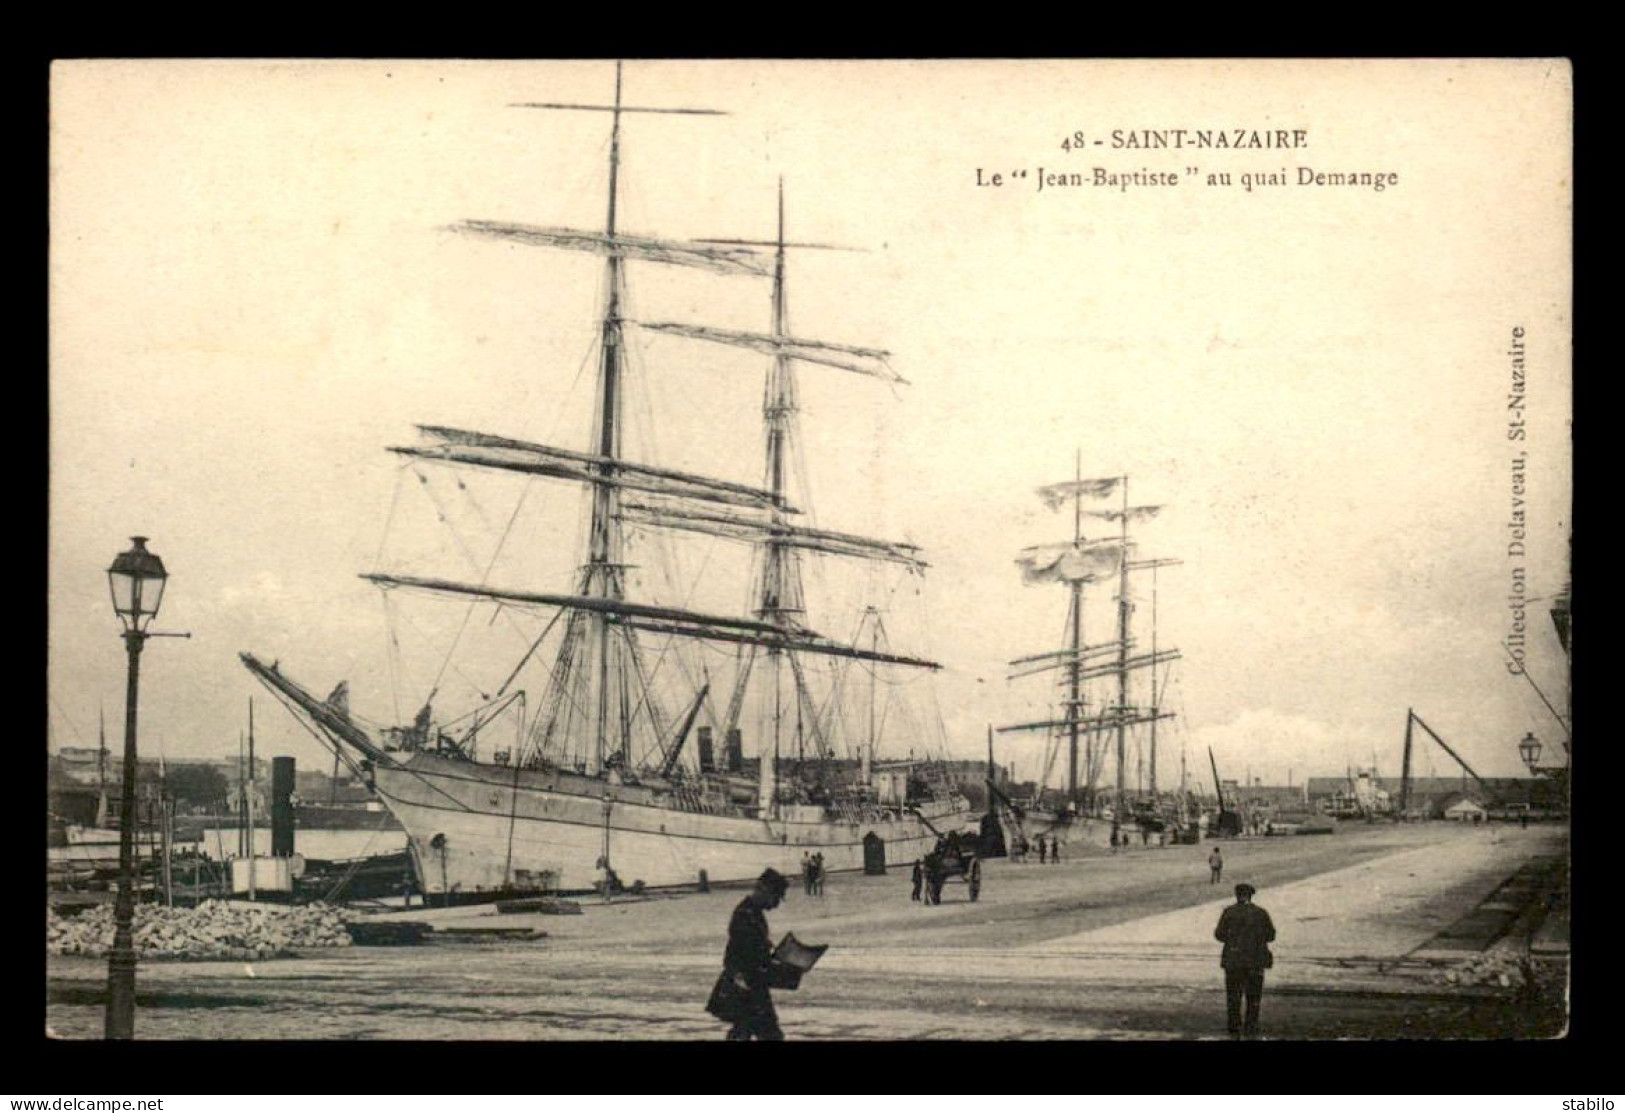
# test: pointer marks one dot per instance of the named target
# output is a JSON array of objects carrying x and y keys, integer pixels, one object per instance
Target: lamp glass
[{"x": 136, "y": 580}]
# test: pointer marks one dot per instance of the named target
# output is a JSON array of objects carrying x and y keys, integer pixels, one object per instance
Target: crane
[
  {"x": 1229, "y": 821},
  {"x": 1412, "y": 719}
]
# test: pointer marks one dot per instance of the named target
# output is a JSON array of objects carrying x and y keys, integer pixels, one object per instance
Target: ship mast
[
  {"x": 1122, "y": 659},
  {"x": 1074, "y": 702},
  {"x": 1156, "y": 701},
  {"x": 602, "y": 579},
  {"x": 1076, "y": 563},
  {"x": 781, "y": 576},
  {"x": 597, "y": 676},
  {"x": 781, "y": 603},
  {"x": 101, "y": 768}
]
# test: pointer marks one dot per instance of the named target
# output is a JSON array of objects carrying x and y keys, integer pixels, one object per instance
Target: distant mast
[
  {"x": 1121, "y": 710},
  {"x": 1156, "y": 695},
  {"x": 101, "y": 768},
  {"x": 1074, "y": 703},
  {"x": 1076, "y": 563}
]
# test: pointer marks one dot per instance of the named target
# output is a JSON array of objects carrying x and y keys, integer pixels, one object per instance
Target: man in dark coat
[
  {"x": 918, "y": 877},
  {"x": 1246, "y": 932},
  {"x": 741, "y": 997}
]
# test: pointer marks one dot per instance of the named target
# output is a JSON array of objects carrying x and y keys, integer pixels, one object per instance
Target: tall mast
[
  {"x": 1156, "y": 702},
  {"x": 1074, "y": 703},
  {"x": 780, "y": 573},
  {"x": 593, "y": 631},
  {"x": 603, "y": 578},
  {"x": 1122, "y": 656},
  {"x": 101, "y": 750},
  {"x": 1183, "y": 798},
  {"x": 101, "y": 767}
]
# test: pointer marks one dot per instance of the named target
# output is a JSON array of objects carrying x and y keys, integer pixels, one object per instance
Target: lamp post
[
  {"x": 1557, "y": 773},
  {"x": 1529, "y": 749},
  {"x": 137, "y": 582}
]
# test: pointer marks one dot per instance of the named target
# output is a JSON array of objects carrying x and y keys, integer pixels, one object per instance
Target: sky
[{"x": 254, "y": 294}]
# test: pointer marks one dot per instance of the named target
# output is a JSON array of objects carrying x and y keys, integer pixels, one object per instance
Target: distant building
[
  {"x": 973, "y": 774},
  {"x": 1429, "y": 796},
  {"x": 1273, "y": 798},
  {"x": 1464, "y": 809},
  {"x": 80, "y": 765}
]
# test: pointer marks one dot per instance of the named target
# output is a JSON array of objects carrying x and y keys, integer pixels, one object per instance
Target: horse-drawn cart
[{"x": 955, "y": 858}]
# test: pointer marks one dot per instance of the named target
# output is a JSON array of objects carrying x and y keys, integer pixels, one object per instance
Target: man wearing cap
[
  {"x": 1246, "y": 932},
  {"x": 741, "y": 997}
]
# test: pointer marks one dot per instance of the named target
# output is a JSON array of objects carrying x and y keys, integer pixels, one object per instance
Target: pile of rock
[
  {"x": 214, "y": 929},
  {"x": 1503, "y": 968}
]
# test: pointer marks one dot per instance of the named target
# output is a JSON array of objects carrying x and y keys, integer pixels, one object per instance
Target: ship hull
[
  {"x": 1081, "y": 831},
  {"x": 476, "y": 828}
]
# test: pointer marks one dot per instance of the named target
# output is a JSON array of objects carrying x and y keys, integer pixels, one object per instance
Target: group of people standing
[
  {"x": 812, "y": 873},
  {"x": 1048, "y": 847}
]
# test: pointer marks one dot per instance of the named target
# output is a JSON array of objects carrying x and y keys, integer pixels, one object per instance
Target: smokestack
[
  {"x": 736, "y": 751},
  {"x": 282, "y": 807},
  {"x": 707, "y": 758}
]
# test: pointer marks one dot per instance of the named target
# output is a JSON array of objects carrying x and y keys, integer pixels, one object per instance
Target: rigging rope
[{"x": 392, "y": 653}]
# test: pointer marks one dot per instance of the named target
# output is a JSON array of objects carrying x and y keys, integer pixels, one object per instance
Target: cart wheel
[{"x": 975, "y": 889}]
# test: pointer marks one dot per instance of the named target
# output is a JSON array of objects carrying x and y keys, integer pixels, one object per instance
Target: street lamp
[
  {"x": 137, "y": 581},
  {"x": 1529, "y": 750}
]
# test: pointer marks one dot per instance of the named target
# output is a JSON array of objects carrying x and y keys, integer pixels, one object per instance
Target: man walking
[
  {"x": 741, "y": 997},
  {"x": 1246, "y": 932},
  {"x": 1043, "y": 851},
  {"x": 1215, "y": 865},
  {"x": 918, "y": 879}
]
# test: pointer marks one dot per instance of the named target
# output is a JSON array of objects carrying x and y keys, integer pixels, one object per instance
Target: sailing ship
[
  {"x": 1097, "y": 706},
  {"x": 601, "y": 788}
]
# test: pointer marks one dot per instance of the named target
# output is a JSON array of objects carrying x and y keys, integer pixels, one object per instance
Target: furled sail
[
  {"x": 1066, "y": 656},
  {"x": 1091, "y": 725},
  {"x": 1064, "y": 659},
  {"x": 1134, "y": 513},
  {"x": 846, "y": 357},
  {"x": 662, "y": 620},
  {"x": 718, "y": 258},
  {"x": 1144, "y": 660},
  {"x": 460, "y": 446},
  {"x": 796, "y": 642},
  {"x": 762, "y": 530},
  {"x": 618, "y": 607}
]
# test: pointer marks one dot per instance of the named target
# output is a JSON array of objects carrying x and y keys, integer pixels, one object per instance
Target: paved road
[{"x": 1095, "y": 947}]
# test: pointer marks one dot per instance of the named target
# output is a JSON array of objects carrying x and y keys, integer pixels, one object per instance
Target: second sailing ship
[{"x": 1089, "y": 720}]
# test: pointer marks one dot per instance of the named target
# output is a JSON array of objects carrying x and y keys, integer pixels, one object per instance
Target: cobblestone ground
[{"x": 1097, "y": 947}]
